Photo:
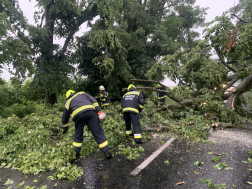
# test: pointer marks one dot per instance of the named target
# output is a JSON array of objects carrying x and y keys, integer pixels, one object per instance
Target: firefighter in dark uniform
[
  {"x": 104, "y": 96},
  {"x": 83, "y": 108},
  {"x": 132, "y": 104},
  {"x": 161, "y": 96}
]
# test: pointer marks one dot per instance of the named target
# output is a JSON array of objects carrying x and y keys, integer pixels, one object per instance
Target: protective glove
[{"x": 65, "y": 129}]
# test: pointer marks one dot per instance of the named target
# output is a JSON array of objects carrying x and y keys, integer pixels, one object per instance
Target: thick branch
[
  {"x": 231, "y": 77},
  {"x": 152, "y": 81},
  {"x": 87, "y": 14},
  {"x": 229, "y": 67},
  {"x": 232, "y": 82},
  {"x": 42, "y": 19},
  {"x": 245, "y": 84},
  {"x": 222, "y": 125},
  {"x": 185, "y": 102},
  {"x": 240, "y": 20},
  {"x": 168, "y": 93}
]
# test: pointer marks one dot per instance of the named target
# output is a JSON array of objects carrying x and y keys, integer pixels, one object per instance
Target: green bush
[{"x": 21, "y": 110}]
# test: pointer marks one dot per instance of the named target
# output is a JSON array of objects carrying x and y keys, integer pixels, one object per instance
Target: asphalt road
[{"x": 115, "y": 173}]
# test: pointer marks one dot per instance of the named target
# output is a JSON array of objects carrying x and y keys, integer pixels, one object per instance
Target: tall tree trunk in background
[
  {"x": 50, "y": 98},
  {"x": 48, "y": 51}
]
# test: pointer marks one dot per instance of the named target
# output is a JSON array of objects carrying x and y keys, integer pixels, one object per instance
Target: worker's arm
[
  {"x": 141, "y": 102},
  {"x": 94, "y": 102},
  {"x": 106, "y": 97},
  {"x": 65, "y": 116}
]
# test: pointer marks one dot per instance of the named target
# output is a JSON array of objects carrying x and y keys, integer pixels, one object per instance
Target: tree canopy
[{"x": 130, "y": 36}]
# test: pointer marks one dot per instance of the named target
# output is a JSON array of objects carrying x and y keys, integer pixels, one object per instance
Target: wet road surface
[{"x": 115, "y": 173}]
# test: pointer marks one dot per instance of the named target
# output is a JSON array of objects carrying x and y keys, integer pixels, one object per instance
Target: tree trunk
[
  {"x": 50, "y": 98},
  {"x": 48, "y": 55}
]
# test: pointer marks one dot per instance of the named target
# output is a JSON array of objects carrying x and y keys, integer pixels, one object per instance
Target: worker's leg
[
  {"x": 136, "y": 127},
  {"x": 162, "y": 101},
  {"x": 96, "y": 129},
  {"x": 127, "y": 120},
  {"x": 80, "y": 122}
]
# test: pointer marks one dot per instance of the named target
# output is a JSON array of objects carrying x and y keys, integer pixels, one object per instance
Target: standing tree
[
  {"x": 14, "y": 48},
  {"x": 61, "y": 19},
  {"x": 130, "y": 36}
]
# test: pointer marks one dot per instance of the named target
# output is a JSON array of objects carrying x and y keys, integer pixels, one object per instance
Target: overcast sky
[{"x": 216, "y": 8}]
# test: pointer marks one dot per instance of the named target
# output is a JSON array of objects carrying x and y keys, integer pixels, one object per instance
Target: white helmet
[{"x": 102, "y": 88}]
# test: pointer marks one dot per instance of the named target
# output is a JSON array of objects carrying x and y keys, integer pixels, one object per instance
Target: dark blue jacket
[
  {"x": 78, "y": 103},
  {"x": 132, "y": 101}
]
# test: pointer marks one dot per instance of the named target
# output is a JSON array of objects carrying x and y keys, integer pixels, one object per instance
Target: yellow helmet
[
  {"x": 69, "y": 92},
  {"x": 131, "y": 85},
  {"x": 102, "y": 88},
  {"x": 158, "y": 85}
]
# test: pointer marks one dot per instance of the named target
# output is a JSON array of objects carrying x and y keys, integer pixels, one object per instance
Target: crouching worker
[
  {"x": 132, "y": 104},
  {"x": 84, "y": 109}
]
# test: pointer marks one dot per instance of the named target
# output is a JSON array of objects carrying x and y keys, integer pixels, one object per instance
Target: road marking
[{"x": 151, "y": 158}]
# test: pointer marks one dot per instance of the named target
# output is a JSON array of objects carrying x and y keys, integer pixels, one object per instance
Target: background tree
[
  {"x": 14, "y": 48},
  {"x": 130, "y": 36},
  {"x": 60, "y": 19}
]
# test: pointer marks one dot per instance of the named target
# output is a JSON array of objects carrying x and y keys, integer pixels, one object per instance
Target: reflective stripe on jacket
[
  {"x": 161, "y": 95},
  {"x": 132, "y": 101},
  {"x": 78, "y": 103}
]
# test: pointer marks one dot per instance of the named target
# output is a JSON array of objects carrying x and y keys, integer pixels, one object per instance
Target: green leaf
[
  {"x": 248, "y": 182},
  {"x": 9, "y": 182},
  {"x": 198, "y": 163},
  {"x": 20, "y": 185}
]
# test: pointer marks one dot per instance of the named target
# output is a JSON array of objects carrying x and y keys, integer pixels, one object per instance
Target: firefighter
[
  {"x": 132, "y": 104},
  {"x": 104, "y": 96},
  {"x": 161, "y": 96},
  {"x": 84, "y": 109}
]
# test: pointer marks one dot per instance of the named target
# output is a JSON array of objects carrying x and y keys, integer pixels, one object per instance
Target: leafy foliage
[
  {"x": 223, "y": 165},
  {"x": 70, "y": 172},
  {"x": 131, "y": 36},
  {"x": 216, "y": 158},
  {"x": 132, "y": 153},
  {"x": 35, "y": 144},
  {"x": 210, "y": 184}
]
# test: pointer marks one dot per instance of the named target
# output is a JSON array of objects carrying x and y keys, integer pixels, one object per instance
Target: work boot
[
  {"x": 108, "y": 155},
  {"x": 140, "y": 141},
  {"x": 77, "y": 155}
]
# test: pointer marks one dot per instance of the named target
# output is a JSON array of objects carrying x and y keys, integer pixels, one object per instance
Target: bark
[
  {"x": 222, "y": 125},
  {"x": 168, "y": 91},
  {"x": 50, "y": 98},
  {"x": 231, "y": 77},
  {"x": 87, "y": 14},
  {"x": 243, "y": 87},
  {"x": 152, "y": 81},
  {"x": 49, "y": 25}
]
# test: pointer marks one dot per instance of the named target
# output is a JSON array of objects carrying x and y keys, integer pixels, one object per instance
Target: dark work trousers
[
  {"x": 91, "y": 119},
  {"x": 134, "y": 118}
]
